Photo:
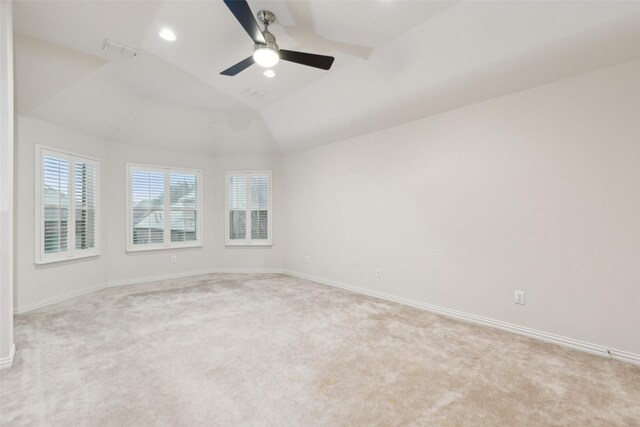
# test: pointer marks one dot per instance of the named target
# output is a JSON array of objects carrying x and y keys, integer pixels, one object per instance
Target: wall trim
[
  {"x": 485, "y": 321},
  {"x": 146, "y": 279},
  {"x": 7, "y": 361},
  {"x": 57, "y": 298},
  {"x": 250, "y": 270}
]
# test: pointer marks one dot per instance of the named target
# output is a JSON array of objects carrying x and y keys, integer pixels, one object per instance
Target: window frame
[
  {"x": 41, "y": 257},
  {"x": 167, "y": 243},
  {"x": 248, "y": 241}
]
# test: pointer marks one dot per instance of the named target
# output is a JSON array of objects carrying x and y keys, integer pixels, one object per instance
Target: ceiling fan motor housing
[
  {"x": 267, "y": 18},
  {"x": 271, "y": 42}
]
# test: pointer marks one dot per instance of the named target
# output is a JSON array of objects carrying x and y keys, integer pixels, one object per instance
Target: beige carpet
[{"x": 243, "y": 350}]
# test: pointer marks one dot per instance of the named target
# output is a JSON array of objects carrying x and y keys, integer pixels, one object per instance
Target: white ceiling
[{"x": 395, "y": 61}]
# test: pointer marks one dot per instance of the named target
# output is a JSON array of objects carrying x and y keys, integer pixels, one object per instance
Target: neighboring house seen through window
[{"x": 163, "y": 207}]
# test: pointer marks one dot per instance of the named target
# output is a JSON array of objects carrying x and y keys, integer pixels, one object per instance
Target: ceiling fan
[{"x": 266, "y": 52}]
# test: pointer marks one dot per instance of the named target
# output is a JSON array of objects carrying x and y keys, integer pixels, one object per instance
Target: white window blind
[
  {"x": 85, "y": 203},
  {"x": 163, "y": 208},
  {"x": 67, "y": 206},
  {"x": 237, "y": 199},
  {"x": 248, "y": 207},
  {"x": 147, "y": 189},
  {"x": 260, "y": 207},
  {"x": 184, "y": 207}
]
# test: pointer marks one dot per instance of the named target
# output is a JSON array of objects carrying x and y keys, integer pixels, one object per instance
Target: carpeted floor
[{"x": 237, "y": 350}]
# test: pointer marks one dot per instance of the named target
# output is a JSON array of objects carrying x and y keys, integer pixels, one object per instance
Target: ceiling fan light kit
[
  {"x": 266, "y": 55},
  {"x": 266, "y": 51}
]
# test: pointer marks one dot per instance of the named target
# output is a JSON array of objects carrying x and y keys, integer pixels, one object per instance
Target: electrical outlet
[
  {"x": 378, "y": 272},
  {"x": 518, "y": 297},
  {"x": 306, "y": 259},
  {"x": 174, "y": 258}
]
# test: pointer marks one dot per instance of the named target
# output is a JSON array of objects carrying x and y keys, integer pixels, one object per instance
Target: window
[
  {"x": 163, "y": 208},
  {"x": 67, "y": 206},
  {"x": 248, "y": 208}
]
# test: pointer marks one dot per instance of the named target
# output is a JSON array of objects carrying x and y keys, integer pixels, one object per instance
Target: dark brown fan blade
[
  {"x": 312, "y": 60},
  {"x": 240, "y": 66},
  {"x": 242, "y": 12}
]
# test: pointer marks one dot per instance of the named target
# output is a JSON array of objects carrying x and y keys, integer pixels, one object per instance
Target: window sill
[
  {"x": 59, "y": 261},
  {"x": 162, "y": 248},
  {"x": 248, "y": 245}
]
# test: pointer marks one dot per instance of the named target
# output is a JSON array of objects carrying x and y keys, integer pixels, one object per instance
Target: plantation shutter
[
  {"x": 147, "y": 190},
  {"x": 237, "y": 202},
  {"x": 67, "y": 213},
  {"x": 85, "y": 189},
  {"x": 248, "y": 208},
  {"x": 184, "y": 207},
  {"x": 259, "y": 207},
  {"x": 164, "y": 208},
  {"x": 55, "y": 203}
]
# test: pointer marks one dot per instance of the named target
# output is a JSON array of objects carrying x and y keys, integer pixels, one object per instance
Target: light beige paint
[
  {"x": 237, "y": 258},
  {"x": 430, "y": 57},
  {"x": 536, "y": 191},
  {"x": 123, "y": 265},
  {"x": 36, "y": 283},
  {"x": 6, "y": 181},
  {"x": 40, "y": 283}
]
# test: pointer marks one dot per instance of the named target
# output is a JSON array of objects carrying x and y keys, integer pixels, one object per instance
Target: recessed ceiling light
[
  {"x": 269, "y": 73},
  {"x": 167, "y": 34}
]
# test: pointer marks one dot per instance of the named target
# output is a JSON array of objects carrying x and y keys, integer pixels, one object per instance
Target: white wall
[
  {"x": 536, "y": 191},
  {"x": 125, "y": 266},
  {"x": 238, "y": 258},
  {"x": 35, "y": 284},
  {"x": 6, "y": 183}
]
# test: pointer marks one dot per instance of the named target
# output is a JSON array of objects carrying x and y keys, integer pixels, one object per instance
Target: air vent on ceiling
[
  {"x": 115, "y": 48},
  {"x": 254, "y": 93}
]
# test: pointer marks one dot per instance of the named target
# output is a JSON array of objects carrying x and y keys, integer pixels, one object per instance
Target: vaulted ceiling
[{"x": 396, "y": 61}]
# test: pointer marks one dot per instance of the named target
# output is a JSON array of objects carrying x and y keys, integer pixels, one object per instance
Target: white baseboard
[
  {"x": 148, "y": 279},
  {"x": 57, "y": 298},
  {"x": 7, "y": 361},
  {"x": 250, "y": 270},
  {"x": 123, "y": 282},
  {"x": 193, "y": 273},
  {"x": 497, "y": 324}
]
